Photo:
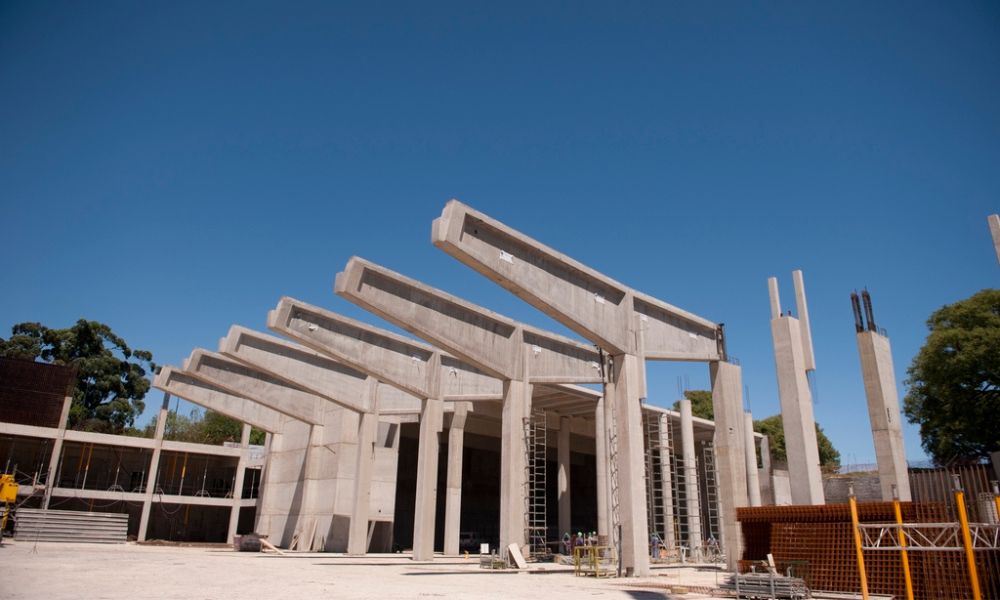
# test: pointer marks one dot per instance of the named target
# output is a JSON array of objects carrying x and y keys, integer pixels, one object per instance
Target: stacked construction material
[
  {"x": 767, "y": 585},
  {"x": 35, "y": 525}
]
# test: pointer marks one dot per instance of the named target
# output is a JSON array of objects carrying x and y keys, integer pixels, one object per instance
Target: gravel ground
[{"x": 63, "y": 571}]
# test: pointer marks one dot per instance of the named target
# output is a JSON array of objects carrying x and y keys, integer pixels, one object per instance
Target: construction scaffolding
[
  {"x": 535, "y": 505},
  {"x": 655, "y": 453},
  {"x": 711, "y": 523},
  {"x": 679, "y": 492}
]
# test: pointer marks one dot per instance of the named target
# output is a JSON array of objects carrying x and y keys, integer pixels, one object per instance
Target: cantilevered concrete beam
[
  {"x": 590, "y": 303},
  {"x": 409, "y": 365},
  {"x": 481, "y": 337},
  {"x": 299, "y": 366},
  {"x": 252, "y": 383},
  {"x": 630, "y": 326},
  {"x": 180, "y": 384},
  {"x": 514, "y": 352}
]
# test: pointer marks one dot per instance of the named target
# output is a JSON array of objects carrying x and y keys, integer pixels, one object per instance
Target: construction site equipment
[
  {"x": 656, "y": 506},
  {"x": 599, "y": 561},
  {"x": 8, "y": 499},
  {"x": 35, "y": 525},
  {"x": 766, "y": 586}
]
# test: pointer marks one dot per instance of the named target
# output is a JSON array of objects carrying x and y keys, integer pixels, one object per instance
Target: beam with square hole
[
  {"x": 349, "y": 391},
  {"x": 406, "y": 364},
  {"x": 517, "y": 354},
  {"x": 632, "y": 327}
]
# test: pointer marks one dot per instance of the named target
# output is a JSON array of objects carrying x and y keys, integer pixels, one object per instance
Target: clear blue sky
[{"x": 173, "y": 168}]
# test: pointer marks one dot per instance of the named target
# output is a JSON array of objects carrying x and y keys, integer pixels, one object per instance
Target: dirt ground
[{"x": 63, "y": 571}]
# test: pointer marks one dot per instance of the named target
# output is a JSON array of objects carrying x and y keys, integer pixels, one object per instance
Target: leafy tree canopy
[
  {"x": 701, "y": 404},
  {"x": 954, "y": 380},
  {"x": 772, "y": 427},
  {"x": 111, "y": 377},
  {"x": 208, "y": 427}
]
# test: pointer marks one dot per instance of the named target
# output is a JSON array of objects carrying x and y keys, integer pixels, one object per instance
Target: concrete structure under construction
[
  {"x": 883, "y": 401},
  {"x": 171, "y": 489},
  {"x": 793, "y": 357},
  {"x": 366, "y": 426}
]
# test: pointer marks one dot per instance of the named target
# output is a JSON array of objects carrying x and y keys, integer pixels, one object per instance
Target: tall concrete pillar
[
  {"x": 994, "y": 221},
  {"x": 241, "y": 467},
  {"x": 792, "y": 362},
  {"x": 631, "y": 466},
  {"x": 453, "y": 499},
  {"x": 154, "y": 465},
  {"x": 690, "y": 478},
  {"x": 357, "y": 537},
  {"x": 516, "y": 407},
  {"x": 728, "y": 445},
  {"x": 431, "y": 417},
  {"x": 56, "y": 455},
  {"x": 753, "y": 480},
  {"x": 563, "y": 480},
  {"x": 766, "y": 474},
  {"x": 666, "y": 478},
  {"x": 601, "y": 468},
  {"x": 883, "y": 402}
]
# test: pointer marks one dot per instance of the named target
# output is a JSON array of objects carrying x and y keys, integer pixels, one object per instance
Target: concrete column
[
  {"x": 631, "y": 466},
  {"x": 883, "y": 411},
  {"x": 154, "y": 465},
  {"x": 690, "y": 478},
  {"x": 453, "y": 499},
  {"x": 56, "y": 456},
  {"x": 241, "y": 467},
  {"x": 666, "y": 477},
  {"x": 601, "y": 468},
  {"x": 563, "y": 480},
  {"x": 994, "y": 221},
  {"x": 730, "y": 462},
  {"x": 427, "y": 462},
  {"x": 766, "y": 475},
  {"x": 797, "y": 413},
  {"x": 357, "y": 537},
  {"x": 753, "y": 480},
  {"x": 516, "y": 406}
]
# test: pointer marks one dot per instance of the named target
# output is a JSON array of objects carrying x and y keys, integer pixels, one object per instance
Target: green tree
[
  {"x": 829, "y": 457},
  {"x": 954, "y": 381},
  {"x": 203, "y": 427},
  {"x": 701, "y": 404},
  {"x": 111, "y": 377}
]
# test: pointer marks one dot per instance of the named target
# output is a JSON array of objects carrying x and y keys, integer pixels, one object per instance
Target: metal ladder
[
  {"x": 655, "y": 508},
  {"x": 535, "y": 509},
  {"x": 678, "y": 484},
  {"x": 711, "y": 525}
]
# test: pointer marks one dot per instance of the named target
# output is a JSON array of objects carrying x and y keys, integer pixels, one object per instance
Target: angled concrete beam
[
  {"x": 249, "y": 382},
  {"x": 597, "y": 307},
  {"x": 299, "y": 366},
  {"x": 630, "y": 326},
  {"x": 511, "y": 351},
  {"x": 393, "y": 359},
  {"x": 180, "y": 384},
  {"x": 406, "y": 364},
  {"x": 488, "y": 340}
]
